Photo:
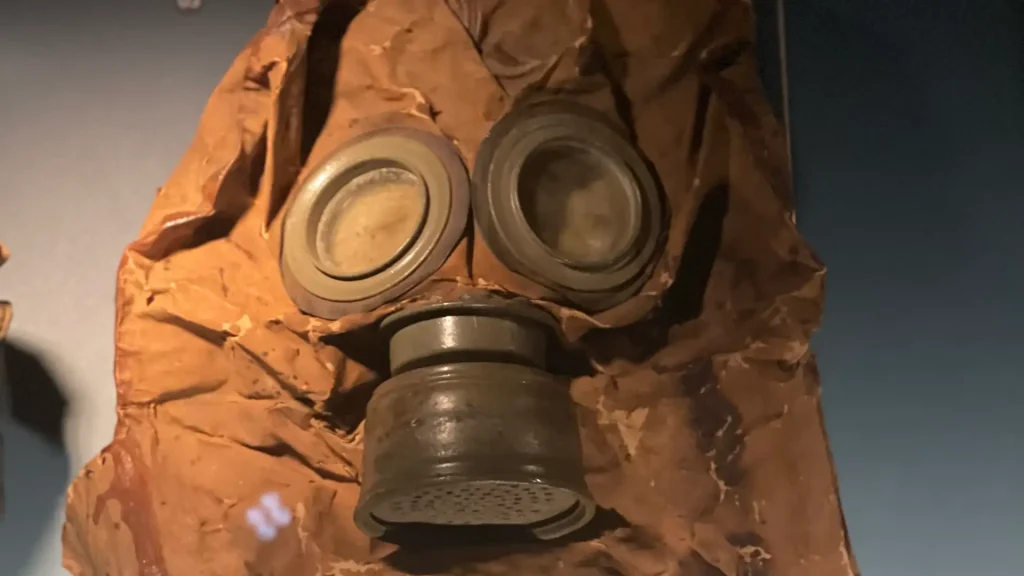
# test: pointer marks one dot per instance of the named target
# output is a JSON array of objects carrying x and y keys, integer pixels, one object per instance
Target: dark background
[
  {"x": 908, "y": 125},
  {"x": 908, "y": 142}
]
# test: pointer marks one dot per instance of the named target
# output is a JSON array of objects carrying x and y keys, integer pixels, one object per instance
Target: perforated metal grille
[{"x": 478, "y": 502}]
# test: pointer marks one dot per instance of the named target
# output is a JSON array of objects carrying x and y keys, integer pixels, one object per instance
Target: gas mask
[
  {"x": 539, "y": 267},
  {"x": 471, "y": 428}
]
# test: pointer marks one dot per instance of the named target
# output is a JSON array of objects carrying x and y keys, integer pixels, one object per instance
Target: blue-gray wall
[
  {"x": 908, "y": 125},
  {"x": 98, "y": 101}
]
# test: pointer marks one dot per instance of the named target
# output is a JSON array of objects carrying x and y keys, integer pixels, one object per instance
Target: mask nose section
[{"x": 471, "y": 429}]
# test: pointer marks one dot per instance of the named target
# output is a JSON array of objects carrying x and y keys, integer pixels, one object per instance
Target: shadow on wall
[{"x": 34, "y": 465}]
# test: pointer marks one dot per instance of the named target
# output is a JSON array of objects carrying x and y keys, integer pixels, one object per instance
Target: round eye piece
[
  {"x": 371, "y": 221},
  {"x": 581, "y": 208},
  {"x": 561, "y": 197}
]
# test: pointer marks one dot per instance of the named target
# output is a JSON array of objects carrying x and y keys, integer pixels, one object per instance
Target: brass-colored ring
[
  {"x": 504, "y": 227},
  {"x": 434, "y": 162}
]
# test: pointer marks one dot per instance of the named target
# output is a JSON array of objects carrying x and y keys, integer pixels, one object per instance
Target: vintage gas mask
[{"x": 471, "y": 429}]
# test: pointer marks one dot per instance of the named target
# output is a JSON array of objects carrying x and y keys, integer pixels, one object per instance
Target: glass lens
[
  {"x": 371, "y": 221},
  {"x": 577, "y": 204}
]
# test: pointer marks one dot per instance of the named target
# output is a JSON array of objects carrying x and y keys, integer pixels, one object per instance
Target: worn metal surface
[
  {"x": 473, "y": 443},
  {"x": 456, "y": 337},
  {"x": 480, "y": 327},
  {"x": 471, "y": 430},
  {"x": 561, "y": 197},
  {"x": 410, "y": 220}
]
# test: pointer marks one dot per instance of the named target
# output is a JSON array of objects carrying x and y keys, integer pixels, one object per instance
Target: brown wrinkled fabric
[
  {"x": 6, "y": 313},
  {"x": 5, "y": 307},
  {"x": 700, "y": 418}
]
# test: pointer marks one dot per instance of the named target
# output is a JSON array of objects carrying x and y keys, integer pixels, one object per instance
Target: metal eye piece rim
[
  {"x": 325, "y": 204},
  {"x": 505, "y": 230},
  {"x": 435, "y": 162},
  {"x": 524, "y": 150}
]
